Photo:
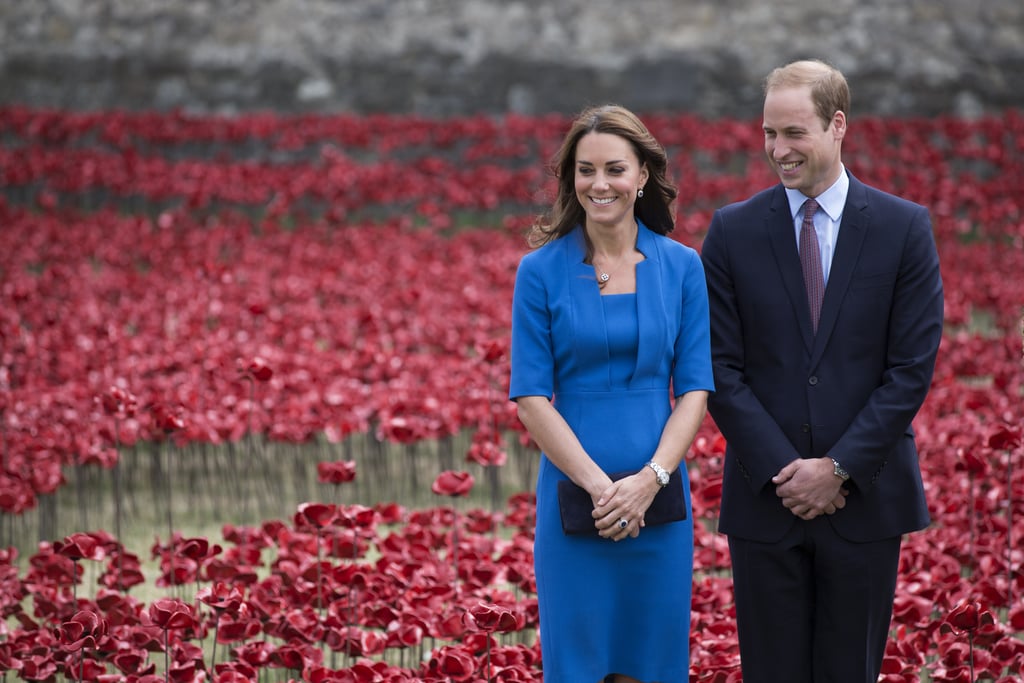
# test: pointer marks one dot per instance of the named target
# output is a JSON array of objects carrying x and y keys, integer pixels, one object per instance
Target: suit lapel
[
  {"x": 781, "y": 235},
  {"x": 852, "y": 231},
  {"x": 585, "y": 297},
  {"x": 650, "y": 305}
]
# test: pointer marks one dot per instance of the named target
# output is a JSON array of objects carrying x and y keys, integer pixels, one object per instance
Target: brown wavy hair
[{"x": 655, "y": 209}]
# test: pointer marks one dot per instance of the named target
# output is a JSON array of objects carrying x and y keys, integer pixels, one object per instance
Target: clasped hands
[
  {"x": 809, "y": 488},
  {"x": 628, "y": 499}
]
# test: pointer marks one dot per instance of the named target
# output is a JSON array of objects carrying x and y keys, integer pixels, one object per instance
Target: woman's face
[{"x": 607, "y": 177}]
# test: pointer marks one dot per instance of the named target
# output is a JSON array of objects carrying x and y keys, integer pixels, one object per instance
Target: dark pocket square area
[{"x": 576, "y": 506}]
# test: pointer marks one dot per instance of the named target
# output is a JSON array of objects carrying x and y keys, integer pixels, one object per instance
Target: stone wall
[{"x": 451, "y": 57}]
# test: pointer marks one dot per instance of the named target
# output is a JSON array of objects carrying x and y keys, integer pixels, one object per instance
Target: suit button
[
  {"x": 812, "y": 380},
  {"x": 805, "y": 428}
]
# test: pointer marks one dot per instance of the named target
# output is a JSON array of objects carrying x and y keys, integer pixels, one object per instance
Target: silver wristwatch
[
  {"x": 838, "y": 470},
  {"x": 660, "y": 472}
]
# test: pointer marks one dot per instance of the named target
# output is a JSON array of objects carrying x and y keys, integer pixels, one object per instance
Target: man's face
[{"x": 803, "y": 150}]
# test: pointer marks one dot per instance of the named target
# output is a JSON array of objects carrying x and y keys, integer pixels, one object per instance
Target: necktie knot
[{"x": 810, "y": 208}]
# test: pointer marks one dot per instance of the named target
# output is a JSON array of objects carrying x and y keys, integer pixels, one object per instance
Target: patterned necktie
[{"x": 810, "y": 259}]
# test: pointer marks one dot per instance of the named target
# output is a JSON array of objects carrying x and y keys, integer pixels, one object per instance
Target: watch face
[{"x": 660, "y": 475}]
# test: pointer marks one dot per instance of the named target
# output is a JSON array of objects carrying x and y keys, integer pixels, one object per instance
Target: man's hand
[{"x": 809, "y": 488}]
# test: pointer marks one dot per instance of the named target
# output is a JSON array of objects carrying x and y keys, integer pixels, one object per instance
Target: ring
[{"x": 623, "y": 523}]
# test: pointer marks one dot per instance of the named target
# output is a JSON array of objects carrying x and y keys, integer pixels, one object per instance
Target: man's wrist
[{"x": 838, "y": 470}]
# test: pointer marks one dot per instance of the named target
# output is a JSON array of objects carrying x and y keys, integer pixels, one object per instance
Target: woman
[{"x": 609, "y": 322}]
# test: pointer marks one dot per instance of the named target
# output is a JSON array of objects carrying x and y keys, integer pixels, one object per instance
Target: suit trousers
[{"x": 813, "y": 607}]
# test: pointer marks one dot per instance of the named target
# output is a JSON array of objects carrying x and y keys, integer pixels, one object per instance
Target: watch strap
[
  {"x": 838, "y": 470},
  {"x": 660, "y": 473}
]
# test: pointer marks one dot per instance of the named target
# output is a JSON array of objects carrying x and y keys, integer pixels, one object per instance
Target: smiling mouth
[
  {"x": 789, "y": 165},
  {"x": 602, "y": 201}
]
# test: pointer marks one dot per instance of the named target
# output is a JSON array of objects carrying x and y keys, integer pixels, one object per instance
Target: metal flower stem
[
  {"x": 319, "y": 580},
  {"x": 3, "y": 467},
  {"x": 216, "y": 628},
  {"x": 1009, "y": 527},
  {"x": 353, "y": 591},
  {"x": 1009, "y": 489},
  {"x": 167, "y": 657},
  {"x": 455, "y": 546},
  {"x": 116, "y": 475},
  {"x": 493, "y": 477},
  {"x": 970, "y": 651},
  {"x": 971, "y": 515},
  {"x": 252, "y": 403},
  {"x": 169, "y": 491}
]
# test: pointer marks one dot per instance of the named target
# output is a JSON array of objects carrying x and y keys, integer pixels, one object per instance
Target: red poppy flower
[
  {"x": 198, "y": 548},
  {"x": 231, "y": 670},
  {"x": 256, "y": 368},
  {"x": 295, "y": 656},
  {"x": 171, "y": 614},
  {"x": 38, "y": 667},
  {"x": 183, "y": 672},
  {"x": 87, "y": 670},
  {"x": 82, "y": 631},
  {"x": 222, "y": 597},
  {"x": 405, "y": 634},
  {"x": 315, "y": 515},
  {"x": 1004, "y": 438},
  {"x": 452, "y": 483},
  {"x": 490, "y": 618},
  {"x": 971, "y": 462},
  {"x": 167, "y": 418},
  {"x": 255, "y": 654},
  {"x": 453, "y": 663},
  {"x": 80, "y": 546},
  {"x": 337, "y": 472},
  {"x": 233, "y": 628},
  {"x": 133, "y": 661},
  {"x": 967, "y": 617},
  {"x": 486, "y": 450},
  {"x": 147, "y": 637},
  {"x": 356, "y": 516},
  {"x": 450, "y": 625},
  {"x": 389, "y": 513},
  {"x": 492, "y": 350},
  {"x": 119, "y": 402}
]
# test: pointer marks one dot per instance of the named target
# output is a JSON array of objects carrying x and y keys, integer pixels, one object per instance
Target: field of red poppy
[{"x": 294, "y": 330}]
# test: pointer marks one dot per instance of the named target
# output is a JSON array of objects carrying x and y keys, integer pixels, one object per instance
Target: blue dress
[{"x": 610, "y": 364}]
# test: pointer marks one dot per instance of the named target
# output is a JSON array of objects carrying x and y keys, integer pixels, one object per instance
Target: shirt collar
[{"x": 831, "y": 200}]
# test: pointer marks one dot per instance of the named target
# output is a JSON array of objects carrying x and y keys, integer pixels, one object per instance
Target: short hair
[
  {"x": 655, "y": 209},
  {"x": 829, "y": 91}
]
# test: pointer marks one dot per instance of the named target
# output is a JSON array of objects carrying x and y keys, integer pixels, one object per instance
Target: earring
[{"x": 640, "y": 193}]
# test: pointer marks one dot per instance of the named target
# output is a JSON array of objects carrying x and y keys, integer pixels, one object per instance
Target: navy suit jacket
[{"x": 850, "y": 391}]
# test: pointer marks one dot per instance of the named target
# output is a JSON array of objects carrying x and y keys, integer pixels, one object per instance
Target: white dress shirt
[{"x": 826, "y": 220}]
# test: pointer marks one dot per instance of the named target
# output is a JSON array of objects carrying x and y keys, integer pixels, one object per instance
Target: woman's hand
[{"x": 625, "y": 500}]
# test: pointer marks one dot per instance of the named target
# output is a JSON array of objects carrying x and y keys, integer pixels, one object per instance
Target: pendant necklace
[{"x": 604, "y": 276}]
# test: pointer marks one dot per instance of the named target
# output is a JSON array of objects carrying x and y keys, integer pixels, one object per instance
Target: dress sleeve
[
  {"x": 692, "y": 370},
  {"x": 532, "y": 354}
]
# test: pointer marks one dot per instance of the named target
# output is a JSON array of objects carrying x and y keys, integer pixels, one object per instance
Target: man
[{"x": 821, "y": 473}]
